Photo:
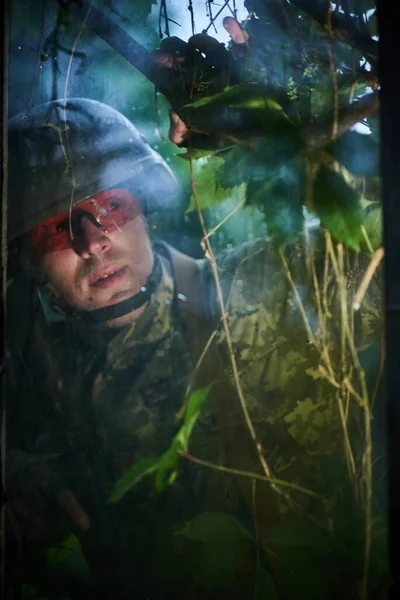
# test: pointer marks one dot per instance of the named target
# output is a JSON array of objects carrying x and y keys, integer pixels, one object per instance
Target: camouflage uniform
[{"x": 122, "y": 395}]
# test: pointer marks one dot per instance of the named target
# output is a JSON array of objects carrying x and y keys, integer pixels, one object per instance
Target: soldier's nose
[{"x": 91, "y": 239}]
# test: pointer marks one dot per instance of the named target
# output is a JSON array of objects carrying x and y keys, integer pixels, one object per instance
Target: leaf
[
  {"x": 136, "y": 472},
  {"x": 214, "y": 566},
  {"x": 64, "y": 550},
  {"x": 259, "y": 585},
  {"x": 167, "y": 470},
  {"x": 196, "y": 403},
  {"x": 296, "y": 553},
  {"x": 165, "y": 467},
  {"x": 208, "y": 189},
  {"x": 244, "y": 95},
  {"x": 216, "y": 528},
  {"x": 195, "y": 153},
  {"x": 373, "y": 228},
  {"x": 357, "y": 152},
  {"x": 338, "y": 207},
  {"x": 281, "y": 199}
]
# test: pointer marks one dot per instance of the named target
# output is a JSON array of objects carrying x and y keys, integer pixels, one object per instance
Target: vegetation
[{"x": 266, "y": 153}]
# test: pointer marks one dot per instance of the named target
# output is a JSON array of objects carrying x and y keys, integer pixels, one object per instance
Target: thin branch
[
  {"x": 166, "y": 80},
  {"x": 226, "y": 218},
  {"x": 272, "y": 480},
  {"x": 69, "y": 153},
  {"x": 319, "y": 135},
  {"x": 210, "y": 255},
  {"x": 344, "y": 31},
  {"x": 212, "y": 19},
  {"x": 373, "y": 265},
  {"x": 332, "y": 68}
]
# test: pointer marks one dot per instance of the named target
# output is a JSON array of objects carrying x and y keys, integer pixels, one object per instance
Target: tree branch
[
  {"x": 343, "y": 29},
  {"x": 166, "y": 81},
  {"x": 319, "y": 135}
]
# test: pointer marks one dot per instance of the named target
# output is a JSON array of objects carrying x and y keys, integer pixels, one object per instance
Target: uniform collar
[{"x": 152, "y": 325}]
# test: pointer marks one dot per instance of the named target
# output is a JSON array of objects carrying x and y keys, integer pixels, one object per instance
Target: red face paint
[{"x": 111, "y": 210}]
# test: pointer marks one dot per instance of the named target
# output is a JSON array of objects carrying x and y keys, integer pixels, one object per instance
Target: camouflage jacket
[{"x": 296, "y": 346}]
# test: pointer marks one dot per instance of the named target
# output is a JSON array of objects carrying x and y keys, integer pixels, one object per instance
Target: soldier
[{"x": 123, "y": 325}]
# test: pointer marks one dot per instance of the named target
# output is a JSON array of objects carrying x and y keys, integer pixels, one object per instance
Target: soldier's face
[{"x": 108, "y": 257}]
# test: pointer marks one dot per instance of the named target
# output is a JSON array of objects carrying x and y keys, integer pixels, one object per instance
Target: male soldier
[{"x": 99, "y": 388}]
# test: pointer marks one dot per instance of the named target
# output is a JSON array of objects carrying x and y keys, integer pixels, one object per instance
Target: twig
[
  {"x": 181, "y": 412},
  {"x": 364, "y": 231},
  {"x": 332, "y": 68},
  {"x": 367, "y": 454},
  {"x": 212, "y": 19},
  {"x": 69, "y": 154},
  {"x": 210, "y": 256},
  {"x": 366, "y": 280},
  {"x": 272, "y": 480},
  {"x": 190, "y": 9},
  {"x": 226, "y": 218},
  {"x": 310, "y": 334}
]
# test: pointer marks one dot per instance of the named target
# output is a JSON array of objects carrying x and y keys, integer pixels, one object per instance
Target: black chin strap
[{"x": 107, "y": 313}]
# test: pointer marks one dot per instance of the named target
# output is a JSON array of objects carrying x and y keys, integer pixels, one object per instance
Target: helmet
[{"x": 62, "y": 153}]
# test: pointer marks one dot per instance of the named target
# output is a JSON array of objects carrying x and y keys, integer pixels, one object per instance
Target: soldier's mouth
[{"x": 108, "y": 279}]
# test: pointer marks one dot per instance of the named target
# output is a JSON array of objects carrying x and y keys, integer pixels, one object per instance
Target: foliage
[
  {"x": 250, "y": 140},
  {"x": 217, "y": 528},
  {"x": 338, "y": 206},
  {"x": 164, "y": 467}
]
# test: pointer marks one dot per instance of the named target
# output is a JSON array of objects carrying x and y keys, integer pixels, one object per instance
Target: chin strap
[{"x": 107, "y": 313}]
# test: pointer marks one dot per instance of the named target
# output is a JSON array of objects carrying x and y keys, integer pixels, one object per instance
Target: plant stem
[
  {"x": 210, "y": 256},
  {"x": 272, "y": 480}
]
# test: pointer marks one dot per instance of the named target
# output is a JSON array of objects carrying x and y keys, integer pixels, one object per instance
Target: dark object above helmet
[{"x": 64, "y": 153}]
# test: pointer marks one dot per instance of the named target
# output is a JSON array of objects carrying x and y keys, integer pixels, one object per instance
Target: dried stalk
[
  {"x": 272, "y": 480},
  {"x": 366, "y": 481},
  {"x": 366, "y": 280},
  {"x": 332, "y": 69},
  {"x": 210, "y": 256}
]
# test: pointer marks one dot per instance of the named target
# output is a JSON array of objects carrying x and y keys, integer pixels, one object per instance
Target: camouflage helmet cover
[{"x": 61, "y": 154}]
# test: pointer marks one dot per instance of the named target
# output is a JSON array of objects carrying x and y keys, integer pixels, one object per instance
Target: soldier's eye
[
  {"x": 62, "y": 226},
  {"x": 114, "y": 204}
]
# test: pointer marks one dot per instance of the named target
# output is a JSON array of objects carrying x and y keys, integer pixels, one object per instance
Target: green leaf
[
  {"x": 165, "y": 467},
  {"x": 216, "y": 528},
  {"x": 244, "y": 95},
  {"x": 195, "y": 153},
  {"x": 208, "y": 189},
  {"x": 196, "y": 403},
  {"x": 214, "y": 566},
  {"x": 358, "y": 153},
  {"x": 281, "y": 199},
  {"x": 258, "y": 585},
  {"x": 136, "y": 472},
  {"x": 373, "y": 229},
  {"x": 297, "y": 553},
  {"x": 64, "y": 549},
  {"x": 338, "y": 207}
]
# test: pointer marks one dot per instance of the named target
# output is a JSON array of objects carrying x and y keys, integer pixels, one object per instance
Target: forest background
[{"x": 296, "y": 140}]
